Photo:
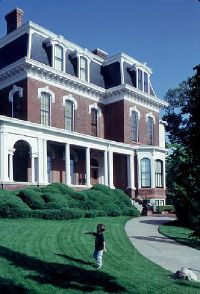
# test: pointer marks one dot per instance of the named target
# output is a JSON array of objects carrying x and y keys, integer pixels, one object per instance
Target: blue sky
[{"x": 163, "y": 33}]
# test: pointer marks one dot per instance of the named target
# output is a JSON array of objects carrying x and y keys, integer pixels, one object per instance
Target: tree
[{"x": 183, "y": 164}]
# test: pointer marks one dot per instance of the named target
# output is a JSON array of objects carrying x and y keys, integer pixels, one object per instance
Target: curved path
[{"x": 144, "y": 235}]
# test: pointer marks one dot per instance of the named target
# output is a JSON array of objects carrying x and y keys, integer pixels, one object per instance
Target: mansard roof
[{"x": 29, "y": 41}]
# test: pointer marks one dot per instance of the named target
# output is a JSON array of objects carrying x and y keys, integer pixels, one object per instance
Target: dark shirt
[{"x": 99, "y": 240}]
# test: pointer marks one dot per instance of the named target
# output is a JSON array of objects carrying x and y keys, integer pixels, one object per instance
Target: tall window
[
  {"x": 134, "y": 126},
  {"x": 145, "y": 173},
  {"x": 150, "y": 130},
  {"x": 69, "y": 115},
  {"x": 83, "y": 69},
  {"x": 58, "y": 57},
  {"x": 140, "y": 80},
  {"x": 146, "y": 84},
  {"x": 45, "y": 109},
  {"x": 159, "y": 174},
  {"x": 94, "y": 122}
]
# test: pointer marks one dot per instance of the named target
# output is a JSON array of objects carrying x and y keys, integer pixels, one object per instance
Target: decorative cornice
[{"x": 26, "y": 67}]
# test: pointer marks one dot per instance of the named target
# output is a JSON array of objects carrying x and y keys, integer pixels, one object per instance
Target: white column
[
  {"x": 110, "y": 166},
  {"x": 40, "y": 161},
  {"x": 88, "y": 166},
  {"x": 3, "y": 157},
  {"x": 10, "y": 162},
  {"x": 152, "y": 173},
  {"x": 105, "y": 168},
  {"x": 67, "y": 164},
  {"x": 33, "y": 168},
  {"x": 45, "y": 176},
  {"x": 130, "y": 172},
  {"x": 164, "y": 174}
]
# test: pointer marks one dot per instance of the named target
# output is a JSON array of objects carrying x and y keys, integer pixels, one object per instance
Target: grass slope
[
  {"x": 43, "y": 256},
  {"x": 180, "y": 234}
]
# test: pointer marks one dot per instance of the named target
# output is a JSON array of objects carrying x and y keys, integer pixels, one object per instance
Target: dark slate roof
[
  {"x": 38, "y": 50},
  {"x": 129, "y": 75},
  {"x": 96, "y": 76},
  {"x": 14, "y": 51},
  {"x": 111, "y": 73}
]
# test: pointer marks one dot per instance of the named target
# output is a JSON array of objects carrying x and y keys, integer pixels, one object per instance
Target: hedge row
[{"x": 58, "y": 201}]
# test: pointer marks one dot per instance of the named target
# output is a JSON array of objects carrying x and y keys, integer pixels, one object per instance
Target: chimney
[
  {"x": 14, "y": 19},
  {"x": 100, "y": 53}
]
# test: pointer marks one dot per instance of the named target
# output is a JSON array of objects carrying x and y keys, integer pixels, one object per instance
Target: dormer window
[
  {"x": 83, "y": 68},
  {"x": 140, "y": 80},
  {"x": 146, "y": 83},
  {"x": 55, "y": 52},
  {"x": 58, "y": 57},
  {"x": 82, "y": 64}
]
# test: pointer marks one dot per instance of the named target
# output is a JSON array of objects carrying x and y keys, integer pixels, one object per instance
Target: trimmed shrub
[
  {"x": 32, "y": 199},
  {"x": 112, "y": 209},
  {"x": 12, "y": 207},
  {"x": 169, "y": 208},
  {"x": 60, "y": 188},
  {"x": 82, "y": 196},
  {"x": 130, "y": 211},
  {"x": 57, "y": 214},
  {"x": 90, "y": 205},
  {"x": 102, "y": 188}
]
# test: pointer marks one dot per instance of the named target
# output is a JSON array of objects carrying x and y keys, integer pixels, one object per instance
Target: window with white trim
[
  {"x": 94, "y": 122},
  {"x": 134, "y": 126},
  {"x": 146, "y": 83},
  {"x": 45, "y": 108},
  {"x": 158, "y": 173},
  {"x": 140, "y": 80},
  {"x": 83, "y": 68},
  {"x": 69, "y": 115},
  {"x": 58, "y": 57},
  {"x": 145, "y": 166},
  {"x": 150, "y": 130}
]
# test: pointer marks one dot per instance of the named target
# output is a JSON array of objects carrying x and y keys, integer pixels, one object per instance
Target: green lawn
[
  {"x": 38, "y": 256},
  {"x": 180, "y": 234}
]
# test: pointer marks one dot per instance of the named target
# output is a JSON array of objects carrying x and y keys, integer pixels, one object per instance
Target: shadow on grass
[
  {"x": 80, "y": 261},
  {"x": 195, "y": 285},
  {"x": 61, "y": 275},
  {"x": 8, "y": 286}
]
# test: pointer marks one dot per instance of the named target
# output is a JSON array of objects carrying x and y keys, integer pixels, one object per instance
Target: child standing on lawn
[{"x": 100, "y": 245}]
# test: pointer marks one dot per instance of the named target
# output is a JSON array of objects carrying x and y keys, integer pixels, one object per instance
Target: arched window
[
  {"x": 145, "y": 166},
  {"x": 94, "y": 122},
  {"x": 150, "y": 130},
  {"x": 45, "y": 108},
  {"x": 69, "y": 115},
  {"x": 58, "y": 57},
  {"x": 134, "y": 126},
  {"x": 83, "y": 69},
  {"x": 159, "y": 174}
]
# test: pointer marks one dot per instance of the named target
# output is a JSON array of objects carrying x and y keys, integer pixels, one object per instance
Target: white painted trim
[
  {"x": 150, "y": 114},
  {"x": 134, "y": 108},
  {"x": 95, "y": 106},
  {"x": 14, "y": 90},
  {"x": 46, "y": 90},
  {"x": 72, "y": 99}
]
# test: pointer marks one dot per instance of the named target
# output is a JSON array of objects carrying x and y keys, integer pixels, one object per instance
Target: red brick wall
[
  {"x": 142, "y": 125},
  {"x": 82, "y": 116},
  {"x": 147, "y": 193},
  {"x": 5, "y": 106},
  {"x": 120, "y": 171},
  {"x": 114, "y": 121}
]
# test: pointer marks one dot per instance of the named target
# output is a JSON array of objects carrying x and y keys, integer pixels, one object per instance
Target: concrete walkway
[{"x": 144, "y": 235}]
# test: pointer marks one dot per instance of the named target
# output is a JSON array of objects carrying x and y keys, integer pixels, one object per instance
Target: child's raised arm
[{"x": 88, "y": 233}]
